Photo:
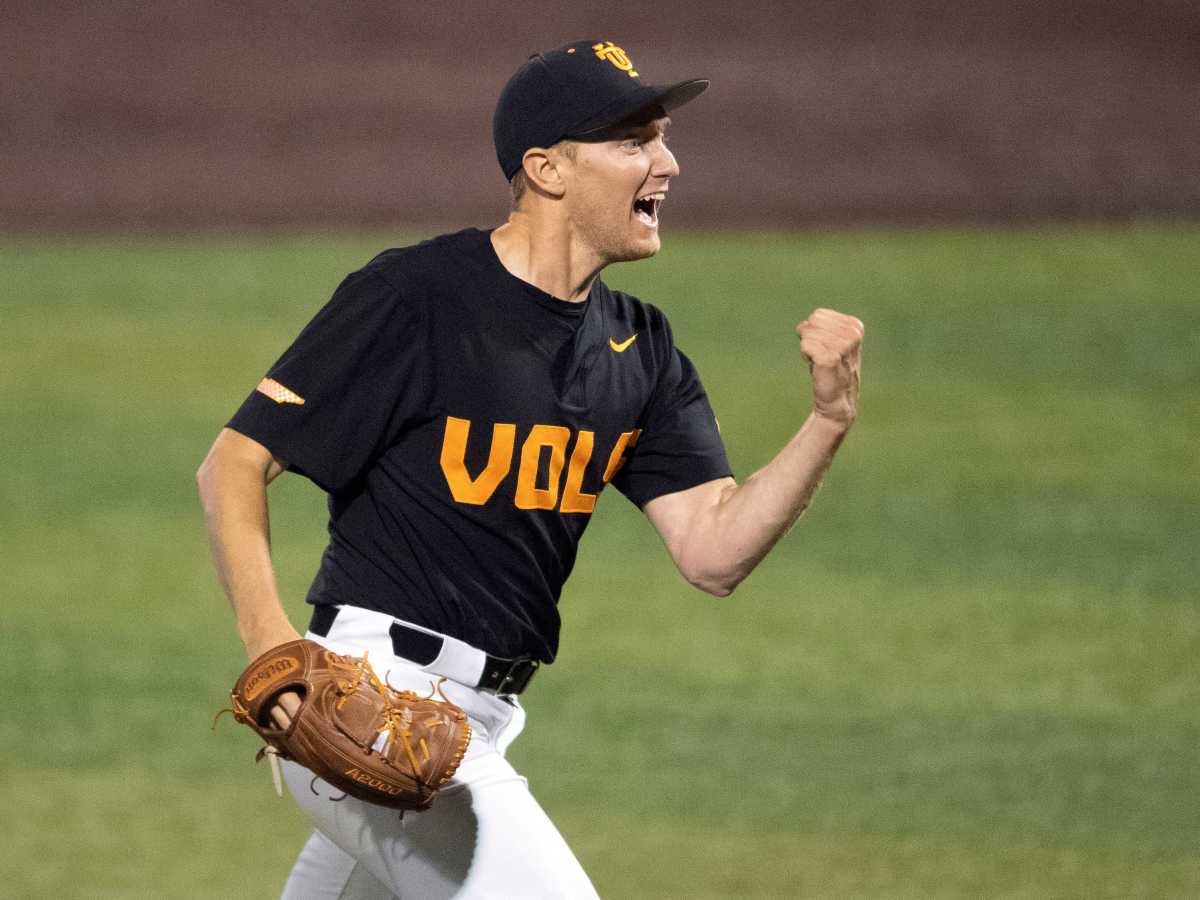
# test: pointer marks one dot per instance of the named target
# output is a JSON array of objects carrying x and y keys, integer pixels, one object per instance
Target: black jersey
[{"x": 463, "y": 423}]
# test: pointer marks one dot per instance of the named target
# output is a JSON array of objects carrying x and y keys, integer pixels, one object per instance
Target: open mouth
[{"x": 646, "y": 208}]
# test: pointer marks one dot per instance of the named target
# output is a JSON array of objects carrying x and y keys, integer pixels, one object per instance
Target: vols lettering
[{"x": 538, "y": 486}]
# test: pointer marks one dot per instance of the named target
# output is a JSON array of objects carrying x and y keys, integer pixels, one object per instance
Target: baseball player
[{"x": 463, "y": 402}]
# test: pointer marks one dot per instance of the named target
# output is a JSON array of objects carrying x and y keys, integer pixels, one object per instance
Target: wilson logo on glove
[{"x": 263, "y": 678}]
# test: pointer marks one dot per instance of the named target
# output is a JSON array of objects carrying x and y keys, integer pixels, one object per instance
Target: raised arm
[
  {"x": 719, "y": 531},
  {"x": 233, "y": 483}
]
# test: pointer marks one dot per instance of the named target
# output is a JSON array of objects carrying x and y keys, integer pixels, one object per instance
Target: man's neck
[{"x": 546, "y": 255}]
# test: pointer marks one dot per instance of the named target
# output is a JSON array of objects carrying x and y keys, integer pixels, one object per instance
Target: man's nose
[{"x": 665, "y": 164}]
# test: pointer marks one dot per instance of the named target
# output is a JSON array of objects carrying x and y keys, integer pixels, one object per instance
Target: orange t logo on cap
[{"x": 615, "y": 55}]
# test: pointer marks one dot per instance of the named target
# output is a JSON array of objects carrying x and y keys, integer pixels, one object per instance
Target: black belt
[{"x": 500, "y": 675}]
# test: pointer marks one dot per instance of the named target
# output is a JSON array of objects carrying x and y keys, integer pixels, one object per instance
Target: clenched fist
[{"x": 832, "y": 343}]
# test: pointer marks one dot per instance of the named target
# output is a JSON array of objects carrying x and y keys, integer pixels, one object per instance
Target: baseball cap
[{"x": 572, "y": 90}]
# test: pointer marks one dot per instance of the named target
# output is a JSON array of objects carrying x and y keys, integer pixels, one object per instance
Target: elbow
[
  {"x": 712, "y": 572},
  {"x": 717, "y": 583},
  {"x": 716, "y": 589}
]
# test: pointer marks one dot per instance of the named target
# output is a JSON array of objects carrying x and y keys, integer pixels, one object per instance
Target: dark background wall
[{"x": 174, "y": 115}]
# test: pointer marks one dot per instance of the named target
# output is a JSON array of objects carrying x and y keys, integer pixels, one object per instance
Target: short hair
[{"x": 520, "y": 183}]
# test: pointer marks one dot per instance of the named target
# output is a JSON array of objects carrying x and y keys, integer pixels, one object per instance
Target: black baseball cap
[{"x": 575, "y": 89}]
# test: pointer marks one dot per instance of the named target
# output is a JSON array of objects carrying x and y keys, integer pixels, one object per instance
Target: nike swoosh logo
[{"x": 624, "y": 345}]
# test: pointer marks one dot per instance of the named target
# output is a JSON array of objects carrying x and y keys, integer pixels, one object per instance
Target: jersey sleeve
[
  {"x": 680, "y": 445},
  {"x": 343, "y": 391}
]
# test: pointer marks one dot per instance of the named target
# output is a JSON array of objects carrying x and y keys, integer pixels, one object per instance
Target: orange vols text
[{"x": 538, "y": 487}]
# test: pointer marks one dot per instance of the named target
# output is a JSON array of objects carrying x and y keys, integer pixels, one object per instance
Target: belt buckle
[{"x": 517, "y": 678}]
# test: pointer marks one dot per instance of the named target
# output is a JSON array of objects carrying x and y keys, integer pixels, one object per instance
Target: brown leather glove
[{"x": 365, "y": 738}]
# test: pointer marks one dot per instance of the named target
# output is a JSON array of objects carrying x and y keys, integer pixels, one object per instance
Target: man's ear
[{"x": 542, "y": 171}]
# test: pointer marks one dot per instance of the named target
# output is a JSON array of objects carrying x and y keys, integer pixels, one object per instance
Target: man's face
[{"x": 616, "y": 184}]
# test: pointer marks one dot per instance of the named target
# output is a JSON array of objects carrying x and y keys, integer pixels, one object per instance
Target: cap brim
[{"x": 668, "y": 96}]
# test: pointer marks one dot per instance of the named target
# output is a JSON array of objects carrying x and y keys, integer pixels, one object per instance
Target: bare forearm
[
  {"x": 233, "y": 494},
  {"x": 749, "y": 519},
  {"x": 719, "y": 531}
]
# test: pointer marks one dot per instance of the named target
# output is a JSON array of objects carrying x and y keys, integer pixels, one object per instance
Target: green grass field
[{"x": 973, "y": 670}]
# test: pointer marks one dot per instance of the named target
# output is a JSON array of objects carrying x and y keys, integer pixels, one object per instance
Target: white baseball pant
[{"x": 484, "y": 837}]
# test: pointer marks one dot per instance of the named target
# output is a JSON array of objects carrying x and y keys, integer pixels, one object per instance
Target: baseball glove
[{"x": 393, "y": 748}]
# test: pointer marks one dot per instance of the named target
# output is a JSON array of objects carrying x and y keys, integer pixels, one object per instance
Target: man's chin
[{"x": 643, "y": 249}]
